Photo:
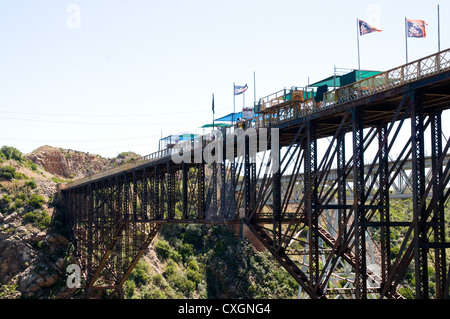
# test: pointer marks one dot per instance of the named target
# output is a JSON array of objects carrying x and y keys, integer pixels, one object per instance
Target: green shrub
[
  {"x": 36, "y": 201},
  {"x": 18, "y": 203},
  {"x": 7, "y": 172},
  {"x": 157, "y": 279},
  {"x": 186, "y": 251},
  {"x": 193, "y": 236},
  {"x": 11, "y": 153},
  {"x": 163, "y": 249},
  {"x": 183, "y": 284},
  {"x": 153, "y": 294},
  {"x": 6, "y": 200},
  {"x": 169, "y": 271},
  {"x": 141, "y": 273},
  {"x": 129, "y": 286},
  {"x": 194, "y": 276},
  {"x": 175, "y": 255},
  {"x": 192, "y": 264},
  {"x": 31, "y": 184},
  {"x": 38, "y": 218}
]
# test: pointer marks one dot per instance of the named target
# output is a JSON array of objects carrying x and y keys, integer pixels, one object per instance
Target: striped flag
[
  {"x": 416, "y": 28},
  {"x": 240, "y": 89},
  {"x": 366, "y": 28}
]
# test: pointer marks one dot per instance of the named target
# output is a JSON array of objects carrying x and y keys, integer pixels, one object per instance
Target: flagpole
[
  {"x": 406, "y": 38},
  {"x": 254, "y": 89},
  {"x": 213, "y": 110},
  {"x": 359, "y": 55},
  {"x": 439, "y": 30},
  {"x": 234, "y": 103}
]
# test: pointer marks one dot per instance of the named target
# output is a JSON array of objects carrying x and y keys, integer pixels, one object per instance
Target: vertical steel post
[
  {"x": 126, "y": 203},
  {"x": 184, "y": 190},
  {"x": 90, "y": 226},
  {"x": 276, "y": 204},
  {"x": 223, "y": 178},
  {"x": 384, "y": 204},
  {"x": 438, "y": 212},
  {"x": 170, "y": 191},
  {"x": 359, "y": 203},
  {"x": 213, "y": 211},
  {"x": 418, "y": 179},
  {"x": 342, "y": 191},
  {"x": 201, "y": 190},
  {"x": 156, "y": 214},
  {"x": 223, "y": 191},
  {"x": 134, "y": 198},
  {"x": 232, "y": 204},
  {"x": 247, "y": 173},
  {"x": 311, "y": 202},
  {"x": 145, "y": 195}
]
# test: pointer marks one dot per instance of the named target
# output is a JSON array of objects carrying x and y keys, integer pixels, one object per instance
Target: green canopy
[
  {"x": 215, "y": 125},
  {"x": 346, "y": 79}
]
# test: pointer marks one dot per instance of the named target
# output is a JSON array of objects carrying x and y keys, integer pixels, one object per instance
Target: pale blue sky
[{"x": 134, "y": 69}]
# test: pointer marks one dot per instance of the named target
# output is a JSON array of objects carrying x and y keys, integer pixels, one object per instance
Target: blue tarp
[{"x": 229, "y": 117}]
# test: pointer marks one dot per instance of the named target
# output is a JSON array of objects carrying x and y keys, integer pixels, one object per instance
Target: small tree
[
  {"x": 11, "y": 153},
  {"x": 7, "y": 172},
  {"x": 36, "y": 201}
]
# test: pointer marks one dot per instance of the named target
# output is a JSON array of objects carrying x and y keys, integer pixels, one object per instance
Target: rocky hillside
[
  {"x": 34, "y": 248},
  {"x": 74, "y": 164}
]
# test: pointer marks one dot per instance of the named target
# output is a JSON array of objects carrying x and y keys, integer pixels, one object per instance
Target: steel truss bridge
[{"x": 314, "y": 191}]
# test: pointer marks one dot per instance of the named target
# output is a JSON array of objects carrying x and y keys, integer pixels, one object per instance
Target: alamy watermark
[
  {"x": 74, "y": 278},
  {"x": 374, "y": 11},
  {"x": 235, "y": 144},
  {"x": 73, "y": 20}
]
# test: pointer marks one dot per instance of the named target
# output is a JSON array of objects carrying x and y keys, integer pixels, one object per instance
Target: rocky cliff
[{"x": 74, "y": 164}]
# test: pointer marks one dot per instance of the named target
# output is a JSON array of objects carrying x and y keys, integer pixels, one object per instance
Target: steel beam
[
  {"x": 311, "y": 203},
  {"x": 438, "y": 211},
  {"x": 359, "y": 203},
  {"x": 383, "y": 175},
  {"x": 418, "y": 173}
]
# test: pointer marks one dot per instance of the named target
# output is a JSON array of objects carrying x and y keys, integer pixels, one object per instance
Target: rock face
[
  {"x": 67, "y": 163},
  {"x": 75, "y": 164},
  {"x": 29, "y": 267}
]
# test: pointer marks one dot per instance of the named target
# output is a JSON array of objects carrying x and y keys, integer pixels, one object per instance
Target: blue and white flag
[{"x": 240, "y": 89}]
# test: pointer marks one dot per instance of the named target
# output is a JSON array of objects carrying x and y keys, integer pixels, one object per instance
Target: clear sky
[{"x": 108, "y": 76}]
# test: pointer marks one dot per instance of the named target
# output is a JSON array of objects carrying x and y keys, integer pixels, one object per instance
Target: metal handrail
[{"x": 427, "y": 66}]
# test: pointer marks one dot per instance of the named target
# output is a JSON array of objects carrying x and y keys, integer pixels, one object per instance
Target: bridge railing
[
  {"x": 404, "y": 74},
  {"x": 194, "y": 144}
]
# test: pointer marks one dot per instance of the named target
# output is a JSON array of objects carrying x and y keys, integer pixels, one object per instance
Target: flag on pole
[
  {"x": 366, "y": 28},
  {"x": 240, "y": 89},
  {"x": 416, "y": 28},
  {"x": 213, "y": 104}
]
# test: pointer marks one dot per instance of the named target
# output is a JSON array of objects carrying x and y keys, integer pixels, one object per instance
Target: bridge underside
[{"x": 316, "y": 213}]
